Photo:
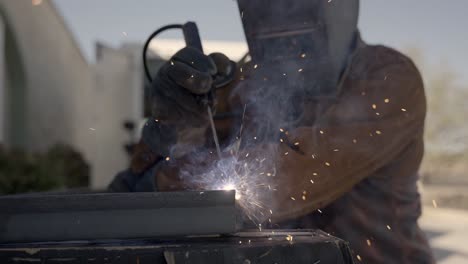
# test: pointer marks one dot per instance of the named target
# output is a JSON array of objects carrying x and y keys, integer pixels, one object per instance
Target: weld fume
[{"x": 277, "y": 90}]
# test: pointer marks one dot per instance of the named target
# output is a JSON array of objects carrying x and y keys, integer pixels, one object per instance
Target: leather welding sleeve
[{"x": 373, "y": 122}]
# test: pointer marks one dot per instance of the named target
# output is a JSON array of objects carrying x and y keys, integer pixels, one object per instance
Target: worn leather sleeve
[{"x": 373, "y": 122}]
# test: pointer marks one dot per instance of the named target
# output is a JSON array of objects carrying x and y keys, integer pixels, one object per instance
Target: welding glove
[{"x": 181, "y": 92}]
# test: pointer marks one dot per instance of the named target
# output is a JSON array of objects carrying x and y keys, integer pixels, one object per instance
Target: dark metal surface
[
  {"x": 311, "y": 247},
  {"x": 28, "y": 218}
]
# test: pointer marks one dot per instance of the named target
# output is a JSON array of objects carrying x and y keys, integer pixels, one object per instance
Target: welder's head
[{"x": 314, "y": 35}]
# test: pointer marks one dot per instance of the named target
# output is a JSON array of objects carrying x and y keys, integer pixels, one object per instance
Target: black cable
[{"x": 145, "y": 48}]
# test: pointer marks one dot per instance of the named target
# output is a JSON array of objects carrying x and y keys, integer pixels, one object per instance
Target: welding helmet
[{"x": 312, "y": 37}]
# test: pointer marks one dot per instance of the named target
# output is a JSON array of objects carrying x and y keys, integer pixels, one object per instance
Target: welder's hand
[{"x": 180, "y": 94}]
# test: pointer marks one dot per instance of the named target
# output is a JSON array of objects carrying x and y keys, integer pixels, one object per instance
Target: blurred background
[{"x": 72, "y": 90}]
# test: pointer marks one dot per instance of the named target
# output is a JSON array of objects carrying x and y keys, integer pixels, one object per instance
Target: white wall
[
  {"x": 66, "y": 99},
  {"x": 117, "y": 85},
  {"x": 57, "y": 83}
]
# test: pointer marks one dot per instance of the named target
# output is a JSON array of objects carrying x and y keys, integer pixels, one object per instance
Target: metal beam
[
  {"x": 268, "y": 246},
  {"x": 27, "y": 218}
]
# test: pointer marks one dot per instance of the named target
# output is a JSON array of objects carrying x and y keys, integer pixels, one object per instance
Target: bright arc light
[{"x": 231, "y": 187}]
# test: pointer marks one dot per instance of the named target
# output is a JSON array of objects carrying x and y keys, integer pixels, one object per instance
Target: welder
[{"x": 343, "y": 121}]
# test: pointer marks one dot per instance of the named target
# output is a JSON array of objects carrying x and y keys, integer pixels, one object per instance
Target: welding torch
[{"x": 192, "y": 39}]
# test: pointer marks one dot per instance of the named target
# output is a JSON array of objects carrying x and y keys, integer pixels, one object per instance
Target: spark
[
  {"x": 377, "y": 113},
  {"x": 389, "y": 228},
  {"x": 289, "y": 238},
  {"x": 232, "y": 187},
  {"x": 303, "y": 55},
  {"x": 255, "y": 66},
  {"x": 281, "y": 130},
  {"x": 387, "y": 100},
  {"x": 248, "y": 179},
  {"x": 292, "y": 198},
  {"x": 281, "y": 140},
  {"x": 374, "y": 106},
  {"x": 320, "y": 211},
  {"x": 286, "y": 153},
  {"x": 359, "y": 258},
  {"x": 378, "y": 132},
  {"x": 403, "y": 109},
  {"x": 321, "y": 132},
  {"x": 368, "y": 242},
  {"x": 315, "y": 174},
  {"x": 296, "y": 144},
  {"x": 300, "y": 70},
  {"x": 304, "y": 197},
  {"x": 168, "y": 158},
  {"x": 327, "y": 164},
  {"x": 172, "y": 63},
  {"x": 312, "y": 181}
]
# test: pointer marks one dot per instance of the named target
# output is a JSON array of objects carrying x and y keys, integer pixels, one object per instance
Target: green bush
[{"x": 60, "y": 167}]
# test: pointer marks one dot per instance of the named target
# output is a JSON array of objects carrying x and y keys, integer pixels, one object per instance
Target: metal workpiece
[
  {"x": 268, "y": 246},
  {"x": 60, "y": 217}
]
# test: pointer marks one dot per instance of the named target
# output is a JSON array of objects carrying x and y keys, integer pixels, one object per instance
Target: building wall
[
  {"x": 48, "y": 85},
  {"x": 117, "y": 93},
  {"x": 50, "y": 94}
]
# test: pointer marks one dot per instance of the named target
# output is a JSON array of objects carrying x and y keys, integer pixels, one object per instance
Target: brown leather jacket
[{"x": 357, "y": 159}]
